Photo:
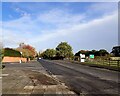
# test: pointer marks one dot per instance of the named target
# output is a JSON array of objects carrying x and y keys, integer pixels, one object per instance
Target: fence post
[{"x": 109, "y": 62}]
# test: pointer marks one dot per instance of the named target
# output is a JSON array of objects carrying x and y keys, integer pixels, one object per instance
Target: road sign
[{"x": 91, "y": 56}]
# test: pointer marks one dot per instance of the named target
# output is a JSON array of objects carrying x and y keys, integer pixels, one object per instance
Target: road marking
[
  {"x": 5, "y": 74},
  {"x": 28, "y": 87}
]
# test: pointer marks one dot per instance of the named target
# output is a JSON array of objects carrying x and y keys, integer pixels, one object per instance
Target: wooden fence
[{"x": 115, "y": 63}]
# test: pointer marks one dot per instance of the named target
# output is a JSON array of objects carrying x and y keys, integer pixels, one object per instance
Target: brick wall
[{"x": 13, "y": 59}]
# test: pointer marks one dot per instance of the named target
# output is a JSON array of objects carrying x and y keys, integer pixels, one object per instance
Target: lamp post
[{"x": 21, "y": 57}]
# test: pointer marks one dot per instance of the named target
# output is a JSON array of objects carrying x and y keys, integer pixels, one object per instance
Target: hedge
[{"x": 11, "y": 52}]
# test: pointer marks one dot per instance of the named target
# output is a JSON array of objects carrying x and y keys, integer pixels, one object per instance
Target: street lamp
[
  {"x": 21, "y": 54},
  {"x": 21, "y": 57}
]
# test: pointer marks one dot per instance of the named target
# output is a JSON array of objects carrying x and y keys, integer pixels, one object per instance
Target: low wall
[{"x": 14, "y": 59}]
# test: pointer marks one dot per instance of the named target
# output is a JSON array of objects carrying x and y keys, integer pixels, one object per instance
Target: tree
[
  {"x": 49, "y": 54},
  {"x": 64, "y": 50},
  {"x": 31, "y": 49},
  {"x": 103, "y": 52},
  {"x": 116, "y": 51},
  {"x": 27, "y": 50},
  {"x": 86, "y": 52}
]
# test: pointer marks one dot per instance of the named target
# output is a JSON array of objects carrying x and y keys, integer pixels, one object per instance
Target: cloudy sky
[{"x": 84, "y": 25}]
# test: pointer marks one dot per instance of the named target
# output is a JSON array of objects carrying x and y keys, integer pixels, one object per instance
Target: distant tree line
[
  {"x": 48, "y": 54},
  {"x": 101, "y": 52},
  {"x": 63, "y": 50}
]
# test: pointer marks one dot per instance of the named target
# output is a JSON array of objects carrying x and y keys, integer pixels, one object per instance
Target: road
[{"x": 82, "y": 79}]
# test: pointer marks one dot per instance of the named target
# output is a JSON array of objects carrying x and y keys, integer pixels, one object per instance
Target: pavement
[{"x": 31, "y": 79}]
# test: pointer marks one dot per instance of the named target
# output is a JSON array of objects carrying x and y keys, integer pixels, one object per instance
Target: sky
[{"x": 84, "y": 25}]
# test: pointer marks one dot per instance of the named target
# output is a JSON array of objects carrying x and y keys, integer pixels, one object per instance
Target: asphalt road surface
[
  {"x": 82, "y": 79},
  {"x": 30, "y": 79}
]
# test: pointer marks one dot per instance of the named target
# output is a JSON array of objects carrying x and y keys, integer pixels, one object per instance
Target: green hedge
[{"x": 11, "y": 52}]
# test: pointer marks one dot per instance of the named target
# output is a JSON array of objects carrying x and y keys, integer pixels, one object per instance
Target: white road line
[{"x": 5, "y": 74}]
